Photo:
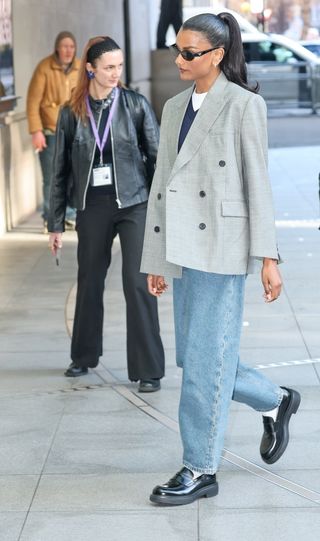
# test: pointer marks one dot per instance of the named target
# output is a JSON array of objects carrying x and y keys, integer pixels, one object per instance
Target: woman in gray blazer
[{"x": 210, "y": 222}]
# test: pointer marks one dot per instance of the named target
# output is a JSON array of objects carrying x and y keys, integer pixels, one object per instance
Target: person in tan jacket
[{"x": 50, "y": 87}]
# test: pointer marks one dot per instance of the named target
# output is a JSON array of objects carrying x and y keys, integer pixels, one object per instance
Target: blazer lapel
[
  {"x": 206, "y": 117},
  {"x": 176, "y": 117}
]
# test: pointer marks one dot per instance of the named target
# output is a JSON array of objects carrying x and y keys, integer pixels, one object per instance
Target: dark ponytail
[{"x": 223, "y": 31}]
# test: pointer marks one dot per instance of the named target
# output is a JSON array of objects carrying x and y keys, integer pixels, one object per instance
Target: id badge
[{"x": 102, "y": 175}]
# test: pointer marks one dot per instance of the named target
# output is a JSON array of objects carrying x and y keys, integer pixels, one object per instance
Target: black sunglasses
[{"x": 188, "y": 55}]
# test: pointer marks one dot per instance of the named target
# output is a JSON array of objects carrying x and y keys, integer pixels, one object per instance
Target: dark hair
[
  {"x": 223, "y": 31},
  {"x": 92, "y": 51},
  {"x": 101, "y": 47}
]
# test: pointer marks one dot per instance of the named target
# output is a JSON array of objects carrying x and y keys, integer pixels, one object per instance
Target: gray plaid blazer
[{"x": 210, "y": 206}]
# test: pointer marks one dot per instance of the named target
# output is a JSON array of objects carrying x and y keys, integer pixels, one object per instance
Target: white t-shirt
[{"x": 197, "y": 100}]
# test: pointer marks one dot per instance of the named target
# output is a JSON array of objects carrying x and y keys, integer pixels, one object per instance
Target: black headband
[{"x": 101, "y": 47}]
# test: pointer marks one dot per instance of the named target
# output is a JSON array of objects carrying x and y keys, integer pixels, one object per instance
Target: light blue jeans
[{"x": 208, "y": 312}]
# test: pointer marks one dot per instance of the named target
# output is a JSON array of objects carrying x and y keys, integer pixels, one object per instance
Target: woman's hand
[
  {"x": 271, "y": 280},
  {"x": 55, "y": 242},
  {"x": 39, "y": 141},
  {"x": 156, "y": 285}
]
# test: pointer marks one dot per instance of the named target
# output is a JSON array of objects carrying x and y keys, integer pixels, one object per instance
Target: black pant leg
[
  {"x": 95, "y": 236},
  {"x": 163, "y": 24},
  {"x": 145, "y": 354},
  {"x": 176, "y": 20}
]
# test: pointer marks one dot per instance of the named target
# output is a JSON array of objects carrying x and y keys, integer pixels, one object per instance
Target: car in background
[
  {"x": 288, "y": 74},
  {"x": 311, "y": 45}
]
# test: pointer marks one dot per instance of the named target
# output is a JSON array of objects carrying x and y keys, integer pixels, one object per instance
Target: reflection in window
[
  {"x": 267, "y": 51},
  {"x": 6, "y": 53}
]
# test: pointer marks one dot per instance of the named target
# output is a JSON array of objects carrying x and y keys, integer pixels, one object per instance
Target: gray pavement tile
[
  {"x": 302, "y": 305},
  {"x": 92, "y": 493},
  {"x": 32, "y": 380},
  {"x": 121, "y": 375},
  {"x": 310, "y": 397},
  {"x": 167, "y": 401},
  {"x": 314, "y": 352},
  {"x": 42, "y": 380},
  {"x": 16, "y": 492},
  {"x": 303, "y": 267},
  {"x": 262, "y": 326},
  {"x": 300, "y": 289},
  {"x": 242, "y": 490},
  {"x": 275, "y": 339},
  {"x": 119, "y": 424},
  {"x": 32, "y": 404},
  {"x": 158, "y": 525},
  {"x": 310, "y": 328},
  {"x": 108, "y": 453},
  {"x": 99, "y": 401},
  {"x": 32, "y": 360},
  {"x": 251, "y": 525},
  {"x": 30, "y": 341},
  {"x": 15, "y": 321},
  {"x": 266, "y": 355},
  {"x": 290, "y": 376},
  {"x": 304, "y": 477},
  {"x": 25, "y": 442},
  {"x": 11, "y": 525}
]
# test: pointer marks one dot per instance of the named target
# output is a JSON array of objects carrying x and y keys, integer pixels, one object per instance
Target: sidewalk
[{"x": 78, "y": 458}]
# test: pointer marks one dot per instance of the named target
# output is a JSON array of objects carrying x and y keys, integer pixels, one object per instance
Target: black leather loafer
[
  {"x": 149, "y": 385},
  {"x": 276, "y": 433},
  {"x": 183, "y": 488},
  {"x": 74, "y": 371}
]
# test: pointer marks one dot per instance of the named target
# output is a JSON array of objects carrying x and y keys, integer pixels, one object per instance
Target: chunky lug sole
[
  {"x": 204, "y": 492},
  {"x": 292, "y": 408}
]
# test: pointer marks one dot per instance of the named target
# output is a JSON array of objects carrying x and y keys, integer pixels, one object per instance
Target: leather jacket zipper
[
  {"x": 90, "y": 168},
  {"x": 114, "y": 170}
]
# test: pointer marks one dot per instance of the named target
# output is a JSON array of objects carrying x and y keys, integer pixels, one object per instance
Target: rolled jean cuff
[
  {"x": 208, "y": 471},
  {"x": 280, "y": 397}
]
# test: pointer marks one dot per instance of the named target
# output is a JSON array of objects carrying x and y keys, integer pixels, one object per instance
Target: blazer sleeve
[
  {"x": 154, "y": 247},
  {"x": 61, "y": 171},
  {"x": 254, "y": 152}
]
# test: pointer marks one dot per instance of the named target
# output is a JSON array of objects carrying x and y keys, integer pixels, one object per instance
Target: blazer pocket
[{"x": 234, "y": 208}]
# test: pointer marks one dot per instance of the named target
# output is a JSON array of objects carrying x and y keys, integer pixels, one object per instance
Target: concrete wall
[
  {"x": 35, "y": 25},
  {"x": 166, "y": 81}
]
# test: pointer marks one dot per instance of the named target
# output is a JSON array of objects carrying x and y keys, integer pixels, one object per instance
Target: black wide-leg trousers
[
  {"x": 97, "y": 226},
  {"x": 170, "y": 13}
]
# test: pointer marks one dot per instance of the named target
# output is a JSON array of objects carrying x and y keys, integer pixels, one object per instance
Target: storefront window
[{"x": 6, "y": 52}]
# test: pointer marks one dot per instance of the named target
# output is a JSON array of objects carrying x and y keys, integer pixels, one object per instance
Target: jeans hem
[
  {"x": 280, "y": 397},
  {"x": 208, "y": 471}
]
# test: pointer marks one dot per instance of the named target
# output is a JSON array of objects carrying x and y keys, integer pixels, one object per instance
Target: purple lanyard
[{"x": 101, "y": 142}]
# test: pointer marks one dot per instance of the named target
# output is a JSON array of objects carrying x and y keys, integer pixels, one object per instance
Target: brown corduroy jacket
[{"x": 49, "y": 88}]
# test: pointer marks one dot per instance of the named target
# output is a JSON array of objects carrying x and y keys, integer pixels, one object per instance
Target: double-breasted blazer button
[
  {"x": 202, "y": 193},
  {"x": 157, "y": 229},
  {"x": 202, "y": 226},
  {"x": 159, "y": 196},
  {"x": 222, "y": 163}
]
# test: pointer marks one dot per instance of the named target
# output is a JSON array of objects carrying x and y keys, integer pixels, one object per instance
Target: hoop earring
[{"x": 90, "y": 74}]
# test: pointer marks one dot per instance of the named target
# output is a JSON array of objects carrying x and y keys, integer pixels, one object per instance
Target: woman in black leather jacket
[{"x": 106, "y": 146}]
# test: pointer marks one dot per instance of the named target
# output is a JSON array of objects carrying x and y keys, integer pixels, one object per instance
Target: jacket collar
[
  {"x": 96, "y": 105},
  {"x": 206, "y": 117}
]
